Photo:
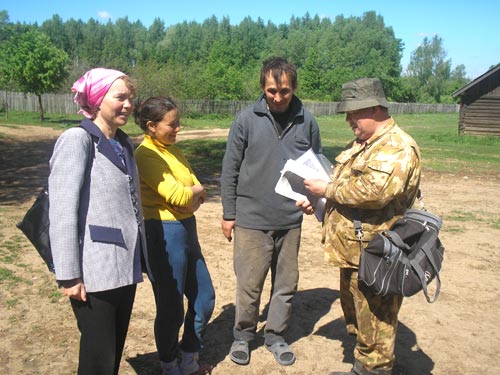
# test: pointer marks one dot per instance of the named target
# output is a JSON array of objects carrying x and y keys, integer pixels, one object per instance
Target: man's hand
[
  {"x": 305, "y": 206},
  {"x": 316, "y": 187},
  {"x": 227, "y": 228}
]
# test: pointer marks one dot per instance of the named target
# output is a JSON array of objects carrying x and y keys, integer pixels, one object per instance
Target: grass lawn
[{"x": 442, "y": 148}]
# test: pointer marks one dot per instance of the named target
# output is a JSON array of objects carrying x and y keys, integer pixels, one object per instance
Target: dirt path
[{"x": 456, "y": 335}]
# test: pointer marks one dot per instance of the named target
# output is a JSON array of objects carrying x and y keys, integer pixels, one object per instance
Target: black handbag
[
  {"x": 35, "y": 223},
  {"x": 406, "y": 258},
  {"x": 35, "y": 226}
]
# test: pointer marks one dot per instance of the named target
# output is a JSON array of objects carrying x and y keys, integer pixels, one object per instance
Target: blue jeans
[{"x": 179, "y": 269}]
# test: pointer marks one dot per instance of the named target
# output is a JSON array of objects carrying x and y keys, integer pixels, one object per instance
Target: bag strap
[
  {"x": 91, "y": 152},
  {"x": 89, "y": 161},
  {"x": 420, "y": 199},
  {"x": 358, "y": 229},
  {"x": 358, "y": 226},
  {"x": 426, "y": 248},
  {"x": 396, "y": 239}
]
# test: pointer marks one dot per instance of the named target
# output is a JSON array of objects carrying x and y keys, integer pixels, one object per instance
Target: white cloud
[
  {"x": 104, "y": 15},
  {"x": 428, "y": 35},
  {"x": 323, "y": 16}
]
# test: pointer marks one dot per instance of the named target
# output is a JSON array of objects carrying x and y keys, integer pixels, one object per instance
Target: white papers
[{"x": 293, "y": 174}]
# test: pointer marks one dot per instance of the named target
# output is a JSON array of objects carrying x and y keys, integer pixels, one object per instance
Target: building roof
[{"x": 476, "y": 81}]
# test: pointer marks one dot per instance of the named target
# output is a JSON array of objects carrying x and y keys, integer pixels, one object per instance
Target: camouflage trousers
[{"x": 372, "y": 319}]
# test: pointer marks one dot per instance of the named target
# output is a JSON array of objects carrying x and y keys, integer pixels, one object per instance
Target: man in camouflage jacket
[{"x": 376, "y": 178}]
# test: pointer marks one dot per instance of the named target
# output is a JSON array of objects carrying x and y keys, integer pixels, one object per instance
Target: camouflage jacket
[{"x": 375, "y": 181}]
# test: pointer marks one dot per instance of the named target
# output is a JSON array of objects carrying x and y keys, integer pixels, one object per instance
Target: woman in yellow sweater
[{"x": 171, "y": 194}]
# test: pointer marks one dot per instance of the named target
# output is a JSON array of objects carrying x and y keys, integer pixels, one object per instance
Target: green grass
[
  {"x": 443, "y": 149},
  {"x": 61, "y": 121},
  {"x": 495, "y": 224},
  {"x": 487, "y": 218},
  {"x": 55, "y": 296},
  {"x": 56, "y": 121},
  {"x": 12, "y": 303},
  {"x": 7, "y": 275}
]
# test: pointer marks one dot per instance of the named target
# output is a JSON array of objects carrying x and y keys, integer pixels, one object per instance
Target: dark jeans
[
  {"x": 255, "y": 253},
  {"x": 103, "y": 323},
  {"x": 179, "y": 269}
]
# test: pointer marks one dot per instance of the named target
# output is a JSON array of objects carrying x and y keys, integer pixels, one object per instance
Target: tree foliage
[
  {"x": 430, "y": 74},
  {"x": 217, "y": 60},
  {"x": 34, "y": 64}
]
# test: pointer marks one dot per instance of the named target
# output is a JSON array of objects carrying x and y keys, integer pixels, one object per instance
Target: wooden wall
[
  {"x": 481, "y": 117},
  {"x": 480, "y": 109}
]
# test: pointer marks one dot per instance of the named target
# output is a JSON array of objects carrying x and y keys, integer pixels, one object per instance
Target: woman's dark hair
[
  {"x": 277, "y": 66},
  {"x": 152, "y": 109}
]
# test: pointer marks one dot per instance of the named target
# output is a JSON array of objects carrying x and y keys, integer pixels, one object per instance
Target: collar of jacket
[
  {"x": 388, "y": 126},
  {"x": 105, "y": 148},
  {"x": 296, "y": 105}
]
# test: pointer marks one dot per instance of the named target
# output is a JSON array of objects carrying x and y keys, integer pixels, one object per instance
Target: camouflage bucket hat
[{"x": 362, "y": 93}]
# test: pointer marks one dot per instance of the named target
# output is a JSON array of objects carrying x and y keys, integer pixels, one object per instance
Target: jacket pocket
[
  {"x": 106, "y": 235},
  {"x": 302, "y": 143}
]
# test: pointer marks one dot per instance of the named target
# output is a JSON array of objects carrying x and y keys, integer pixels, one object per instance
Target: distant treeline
[{"x": 215, "y": 60}]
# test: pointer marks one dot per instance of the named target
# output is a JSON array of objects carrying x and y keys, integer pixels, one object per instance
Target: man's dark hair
[{"x": 278, "y": 66}]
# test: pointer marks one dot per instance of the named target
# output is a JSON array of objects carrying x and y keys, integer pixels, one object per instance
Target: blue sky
[{"x": 470, "y": 29}]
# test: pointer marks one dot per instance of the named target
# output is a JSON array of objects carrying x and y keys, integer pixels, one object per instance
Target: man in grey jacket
[{"x": 267, "y": 226}]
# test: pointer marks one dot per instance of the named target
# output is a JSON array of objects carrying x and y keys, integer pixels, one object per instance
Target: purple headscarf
[{"x": 92, "y": 87}]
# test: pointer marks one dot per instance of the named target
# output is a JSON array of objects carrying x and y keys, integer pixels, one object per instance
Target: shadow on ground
[
  {"x": 410, "y": 359},
  {"x": 314, "y": 304},
  {"x": 24, "y": 168}
]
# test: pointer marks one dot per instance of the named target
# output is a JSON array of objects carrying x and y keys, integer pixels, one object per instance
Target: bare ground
[{"x": 456, "y": 335}]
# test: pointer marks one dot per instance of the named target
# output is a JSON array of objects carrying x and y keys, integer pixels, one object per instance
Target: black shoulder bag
[
  {"x": 35, "y": 223},
  {"x": 404, "y": 259}
]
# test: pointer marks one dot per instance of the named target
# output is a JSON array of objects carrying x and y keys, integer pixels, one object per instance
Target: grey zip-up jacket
[{"x": 255, "y": 155}]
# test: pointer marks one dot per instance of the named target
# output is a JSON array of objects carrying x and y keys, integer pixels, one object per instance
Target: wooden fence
[{"x": 63, "y": 103}]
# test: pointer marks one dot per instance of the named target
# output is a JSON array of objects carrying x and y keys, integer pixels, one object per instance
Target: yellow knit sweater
[{"x": 166, "y": 178}]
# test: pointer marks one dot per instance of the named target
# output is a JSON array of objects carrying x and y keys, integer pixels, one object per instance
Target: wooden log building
[{"x": 480, "y": 105}]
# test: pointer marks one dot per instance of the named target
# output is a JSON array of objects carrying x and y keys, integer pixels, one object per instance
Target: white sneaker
[
  {"x": 189, "y": 363},
  {"x": 170, "y": 368}
]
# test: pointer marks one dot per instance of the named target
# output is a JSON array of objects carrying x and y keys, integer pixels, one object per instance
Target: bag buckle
[{"x": 358, "y": 231}]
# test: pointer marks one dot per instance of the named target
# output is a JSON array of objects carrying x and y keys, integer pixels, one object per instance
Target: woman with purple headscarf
[{"x": 96, "y": 226}]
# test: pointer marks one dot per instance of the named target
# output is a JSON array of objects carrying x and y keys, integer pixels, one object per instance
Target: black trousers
[{"x": 103, "y": 323}]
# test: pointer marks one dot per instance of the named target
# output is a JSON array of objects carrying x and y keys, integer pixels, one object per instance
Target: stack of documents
[{"x": 308, "y": 166}]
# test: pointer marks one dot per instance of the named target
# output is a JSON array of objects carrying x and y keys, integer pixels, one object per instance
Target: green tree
[
  {"x": 35, "y": 64},
  {"x": 154, "y": 35},
  {"x": 222, "y": 79},
  {"x": 358, "y": 47},
  {"x": 311, "y": 76},
  {"x": 123, "y": 44},
  {"x": 4, "y": 21},
  {"x": 74, "y": 31},
  {"x": 431, "y": 71},
  {"x": 247, "y": 40},
  {"x": 217, "y": 60},
  {"x": 55, "y": 30},
  {"x": 92, "y": 46}
]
